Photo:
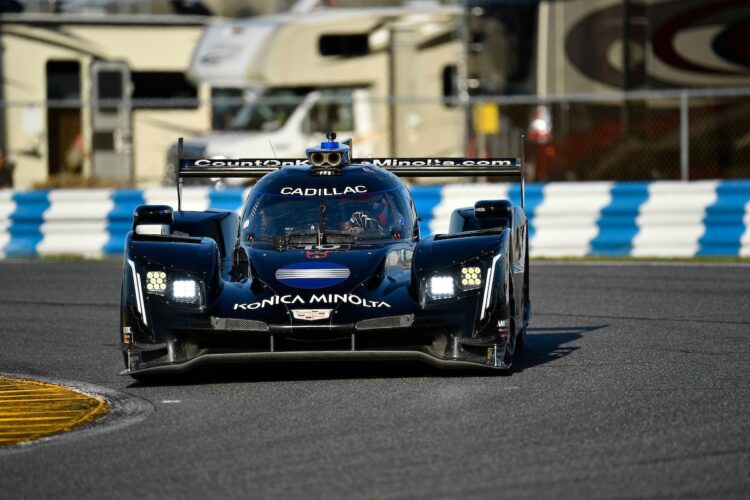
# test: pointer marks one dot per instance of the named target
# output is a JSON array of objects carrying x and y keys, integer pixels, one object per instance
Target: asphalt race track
[{"x": 635, "y": 384}]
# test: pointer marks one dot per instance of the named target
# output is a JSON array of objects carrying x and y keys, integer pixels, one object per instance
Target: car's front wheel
[{"x": 509, "y": 348}]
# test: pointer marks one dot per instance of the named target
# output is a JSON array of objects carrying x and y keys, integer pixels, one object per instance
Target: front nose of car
[{"x": 316, "y": 270}]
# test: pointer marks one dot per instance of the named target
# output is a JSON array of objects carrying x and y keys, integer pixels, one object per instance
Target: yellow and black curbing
[{"x": 31, "y": 409}]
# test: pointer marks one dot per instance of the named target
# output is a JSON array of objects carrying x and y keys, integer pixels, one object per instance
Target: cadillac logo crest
[{"x": 311, "y": 314}]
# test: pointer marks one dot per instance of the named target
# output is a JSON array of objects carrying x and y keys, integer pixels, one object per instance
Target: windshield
[
  {"x": 357, "y": 219},
  {"x": 243, "y": 110}
]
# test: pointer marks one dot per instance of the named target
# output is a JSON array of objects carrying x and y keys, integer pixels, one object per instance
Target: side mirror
[
  {"x": 152, "y": 219},
  {"x": 493, "y": 208}
]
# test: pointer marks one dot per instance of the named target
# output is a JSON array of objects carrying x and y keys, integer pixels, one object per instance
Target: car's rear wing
[{"x": 253, "y": 168}]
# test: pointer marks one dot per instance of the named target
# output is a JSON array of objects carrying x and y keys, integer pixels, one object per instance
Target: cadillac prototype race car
[{"x": 326, "y": 262}]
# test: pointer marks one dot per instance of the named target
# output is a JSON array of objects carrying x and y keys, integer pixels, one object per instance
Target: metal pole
[
  {"x": 684, "y": 137},
  {"x": 128, "y": 132},
  {"x": 523, "y": 171},
  {"x": 626, "y": 66},
  {"x": 462, "y": 74},
  {"x": 177, "y": 170},
  {"x": 4, "y": 110}
]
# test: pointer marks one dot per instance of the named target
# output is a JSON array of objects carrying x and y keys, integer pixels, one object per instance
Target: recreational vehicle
[
  {"x": 379, "y": 75},
  {"x": 97, "y": 95}
]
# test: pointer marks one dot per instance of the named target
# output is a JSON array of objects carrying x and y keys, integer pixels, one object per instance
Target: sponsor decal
[
  {"x": 323, "y": 298},
  {"x": 311, "y": 314},
  {"x": 325, "y": 191},
  {"x": 316, "y": 255},
  {"x": 205, "y": 162},
  {"x": 440, "y": 162},
  {"x": 127, "y": 335},
  {"x": 312, "y": 274},
  {"x": 380, "y": 162},
  {"x": 326, "y": 247},
  {"x": 220, "y": 54}
]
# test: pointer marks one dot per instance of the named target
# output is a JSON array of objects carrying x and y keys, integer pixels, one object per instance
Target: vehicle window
[
  {"x": 371, "y": 218},
  {"x": 246, "y": 110},
  {"x": 225, "y": 104},
  {"x": 163, "y": 89}
]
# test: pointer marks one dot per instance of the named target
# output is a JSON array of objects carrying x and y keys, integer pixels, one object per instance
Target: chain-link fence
[{"x": 689, "y": 135}]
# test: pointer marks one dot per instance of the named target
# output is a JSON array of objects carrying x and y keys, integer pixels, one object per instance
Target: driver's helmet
[{"x": 364, "y": 214}]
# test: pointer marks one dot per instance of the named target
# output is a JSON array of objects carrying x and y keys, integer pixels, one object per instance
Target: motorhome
[
  {"x": 379, "y": 75},
  {"x": 97, "y": 95}
]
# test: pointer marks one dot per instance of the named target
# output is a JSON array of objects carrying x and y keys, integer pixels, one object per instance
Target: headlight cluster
[
  {"x": 180, "y": 290},
  {"x": 185, "y": 290},
  {"x": 441, "y": 287},
  {"x": 156, "y": 282},
  {"x": 471, "y": 277},
  {"x": 446, "y": 285}
]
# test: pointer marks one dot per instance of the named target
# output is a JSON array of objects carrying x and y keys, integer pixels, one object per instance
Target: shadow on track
[
  {"x": 549, "y": 344},
  {"x": 542, "y": 346},
  {"x": 280, "y": 372}
]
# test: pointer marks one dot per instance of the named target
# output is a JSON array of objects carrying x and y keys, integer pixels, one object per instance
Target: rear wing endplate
[{"x": 254, "y": 168}]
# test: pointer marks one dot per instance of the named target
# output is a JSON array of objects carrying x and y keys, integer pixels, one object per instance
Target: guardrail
[{"x": 640, "y": 219}]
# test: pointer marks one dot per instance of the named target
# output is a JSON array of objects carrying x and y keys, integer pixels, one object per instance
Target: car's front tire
[{"x": 509, "y": 349}]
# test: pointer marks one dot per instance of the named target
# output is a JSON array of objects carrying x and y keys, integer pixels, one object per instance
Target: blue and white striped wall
[{"x": 666, "y": 219}]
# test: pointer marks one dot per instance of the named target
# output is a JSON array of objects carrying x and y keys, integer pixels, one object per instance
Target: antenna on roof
[
  {"x": 179, "y": 177},
  {"x": 523, "y": 171},
  {"x": 331, "y": 135}
]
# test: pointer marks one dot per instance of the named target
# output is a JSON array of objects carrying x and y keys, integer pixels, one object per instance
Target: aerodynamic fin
[{"x": 253, "y": 168}]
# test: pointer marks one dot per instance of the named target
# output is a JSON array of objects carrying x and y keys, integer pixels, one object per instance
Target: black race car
[{"x": 326, "y": 262}]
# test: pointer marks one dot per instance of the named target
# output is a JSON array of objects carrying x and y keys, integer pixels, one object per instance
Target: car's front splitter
[{"x": 310, "y": 356}]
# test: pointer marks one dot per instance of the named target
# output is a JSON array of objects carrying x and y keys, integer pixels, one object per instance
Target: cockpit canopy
[{"x": 361, "y": 207}]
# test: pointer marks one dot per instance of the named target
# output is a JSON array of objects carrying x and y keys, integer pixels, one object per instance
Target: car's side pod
[
  {"x": 152, "y": 219},
  {"x": 194, "y": 242},
  {"x": 485, "y": 214},
  {"x": 444, "y": 251},
  {"x": 486, "y": 209},
  {"x": 164, "y": 223}
]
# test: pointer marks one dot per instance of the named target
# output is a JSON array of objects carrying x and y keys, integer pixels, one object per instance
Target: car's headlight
[
  {"x": 471, "y": 277},
  {"x": 185, "y": 291},
  {"x": 452, "y": 282},
  {"x": 156, "y": 282},
  {"x": 441, "y": 287},
  {"x": 174, "y": 286}
]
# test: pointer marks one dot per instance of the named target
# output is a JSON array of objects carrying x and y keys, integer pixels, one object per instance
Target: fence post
[{"x": 684, "y": 137}]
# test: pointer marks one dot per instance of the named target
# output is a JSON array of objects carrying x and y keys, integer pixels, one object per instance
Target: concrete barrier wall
[{"x": 667, "y": 219}]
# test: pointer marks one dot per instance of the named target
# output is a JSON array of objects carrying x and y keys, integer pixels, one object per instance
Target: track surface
[{"x": 635, "y": 384}]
